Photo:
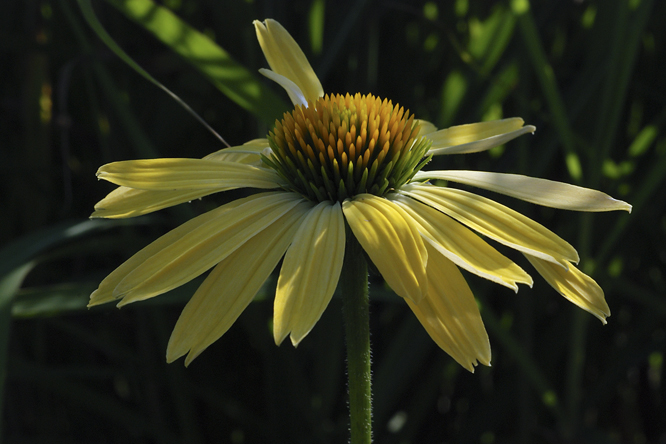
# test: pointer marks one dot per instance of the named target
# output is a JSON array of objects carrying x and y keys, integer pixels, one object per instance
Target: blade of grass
[
  {"x": 626, "y": 42},
  {"x": 125, "y": 115},
  {"x": 91, "y": 18},
  {"x": 545, "y": 74},
  {"x": 16, "y": 261},
  {"x": 489, "y": 38},
  {"x": 9, "y": 285},
  {"x": 653, "y": 181},
  {"x": 230, "y": 77},
  {"x": 535, "y": 377},
  {"x": 54, "y": 300}
]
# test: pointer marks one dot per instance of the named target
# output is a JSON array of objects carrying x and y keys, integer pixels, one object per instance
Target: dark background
[{"x": 588, "y": 74}]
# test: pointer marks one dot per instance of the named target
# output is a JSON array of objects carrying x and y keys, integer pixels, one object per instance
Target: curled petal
[
  {"x": 574, "y": 285},
  {"x": 534, "y": 190},
  {"x": 310, "y": 273},
  {"x": 286, "y": 58},
  {"x": 295, "y": 94},
  {"x": 477, "y": 137},
  {"x": 391, "y": 239}
]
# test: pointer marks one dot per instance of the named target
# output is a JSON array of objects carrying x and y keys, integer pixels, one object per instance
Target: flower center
[{"x": 341, "y": 146}]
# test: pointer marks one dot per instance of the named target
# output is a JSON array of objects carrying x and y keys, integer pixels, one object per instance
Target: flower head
[{"x": 337, "y": 160}]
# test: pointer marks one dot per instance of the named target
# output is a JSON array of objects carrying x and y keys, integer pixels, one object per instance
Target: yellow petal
[
  {"x": 286, "y": 58},
  {"x": 130, "y": 202},
  {"x": 231, "y": 286},
  {"x": 496, "y": 221},
  {"x": 201, "y": 243},
  {"x": 204, "y": 246},
  {"x": 461, "y": 246},
  {"x": 104, "y": 292},
  {"x": 391, "y": 239},
  {"x": 186, "y": 174},
  {"x": 450, "y": 315},
  {"x": 310, "y": 273},
  {"x": 538, "y": 191},
  {"x": 574, "y": 285},
  {"x": 476, "y": 137}
]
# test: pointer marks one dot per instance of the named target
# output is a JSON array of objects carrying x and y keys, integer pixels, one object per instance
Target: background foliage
[{"x": 586, "y": 73}]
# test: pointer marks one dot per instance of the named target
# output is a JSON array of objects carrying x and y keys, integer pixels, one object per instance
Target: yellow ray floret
[
  {"x": 131, "y": 202},
  {"x": 195, "y": 247},
  {"x": 231, "y": 286},
  {"x": 310, "y": 273},
  {"x": 496, "y": 222},
  {"x": 286, "y": 58},
  {"x": 574, "y": 285},
  {"x": 391, "y": 239},
  {"x": 126, "y": 202},
  {"x": 450, "y": 315},
  {"x": 186, "y": 174},
  {"x": 476, "y": 137},
  {"x": 462, "y": 246},
  {"x": 543, "y": 192}
]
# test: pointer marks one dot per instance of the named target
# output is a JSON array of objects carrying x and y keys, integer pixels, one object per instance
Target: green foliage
[{"x": 585, "y": 73}]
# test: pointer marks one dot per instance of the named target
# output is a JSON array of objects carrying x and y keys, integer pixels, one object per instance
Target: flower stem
[{"x": 356, "y": 314}]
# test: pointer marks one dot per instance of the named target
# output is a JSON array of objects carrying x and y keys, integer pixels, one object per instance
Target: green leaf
[
  {"x": 16, "y": 261},
  {"x": 52, "y": 300},
  {"x": 9, "y": 285},
  {"x": 489, "y": 38}
]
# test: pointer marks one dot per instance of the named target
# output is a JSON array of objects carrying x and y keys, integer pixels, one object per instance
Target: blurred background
[{"x": 586, "y": 73}]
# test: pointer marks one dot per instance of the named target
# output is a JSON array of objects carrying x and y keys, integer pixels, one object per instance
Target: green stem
[{"x": 356, "y": 314}]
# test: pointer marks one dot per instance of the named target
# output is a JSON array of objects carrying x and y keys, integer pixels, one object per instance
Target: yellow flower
[{"x": 337, "y": 160}]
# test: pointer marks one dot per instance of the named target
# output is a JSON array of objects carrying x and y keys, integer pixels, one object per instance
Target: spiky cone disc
[{"x": 341, "y": 146}]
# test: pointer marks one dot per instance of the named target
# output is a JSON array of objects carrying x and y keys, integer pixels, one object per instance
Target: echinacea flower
[{"x": 337, "y": 161}]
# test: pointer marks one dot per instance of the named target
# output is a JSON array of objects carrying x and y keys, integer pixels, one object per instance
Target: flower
[{"x": 334, "y": 161}]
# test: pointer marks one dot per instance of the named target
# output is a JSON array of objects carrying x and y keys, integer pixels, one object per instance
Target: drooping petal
[
  {"x": 186, "y": 174},
  {"x": 450, "y": 315},
  {"x": 477, "y": 137},
  {"x": 129, "y": 202},
  {"x": 495, "y": 221},
  {"x": 461, "y": 246},
  {"x": 538, "y": 191},
  {"x": 231, "y": 286},
  {"x": 574, "y": 285},
  {"x": 105, "y": 291},
  {"x": 295, "y": 94},
  {"x": 391, "y": 239},
  {"x": 194, "y": 247},
  {"x": 310, "y": 273},
  {"x": 286, "y": 58}
]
